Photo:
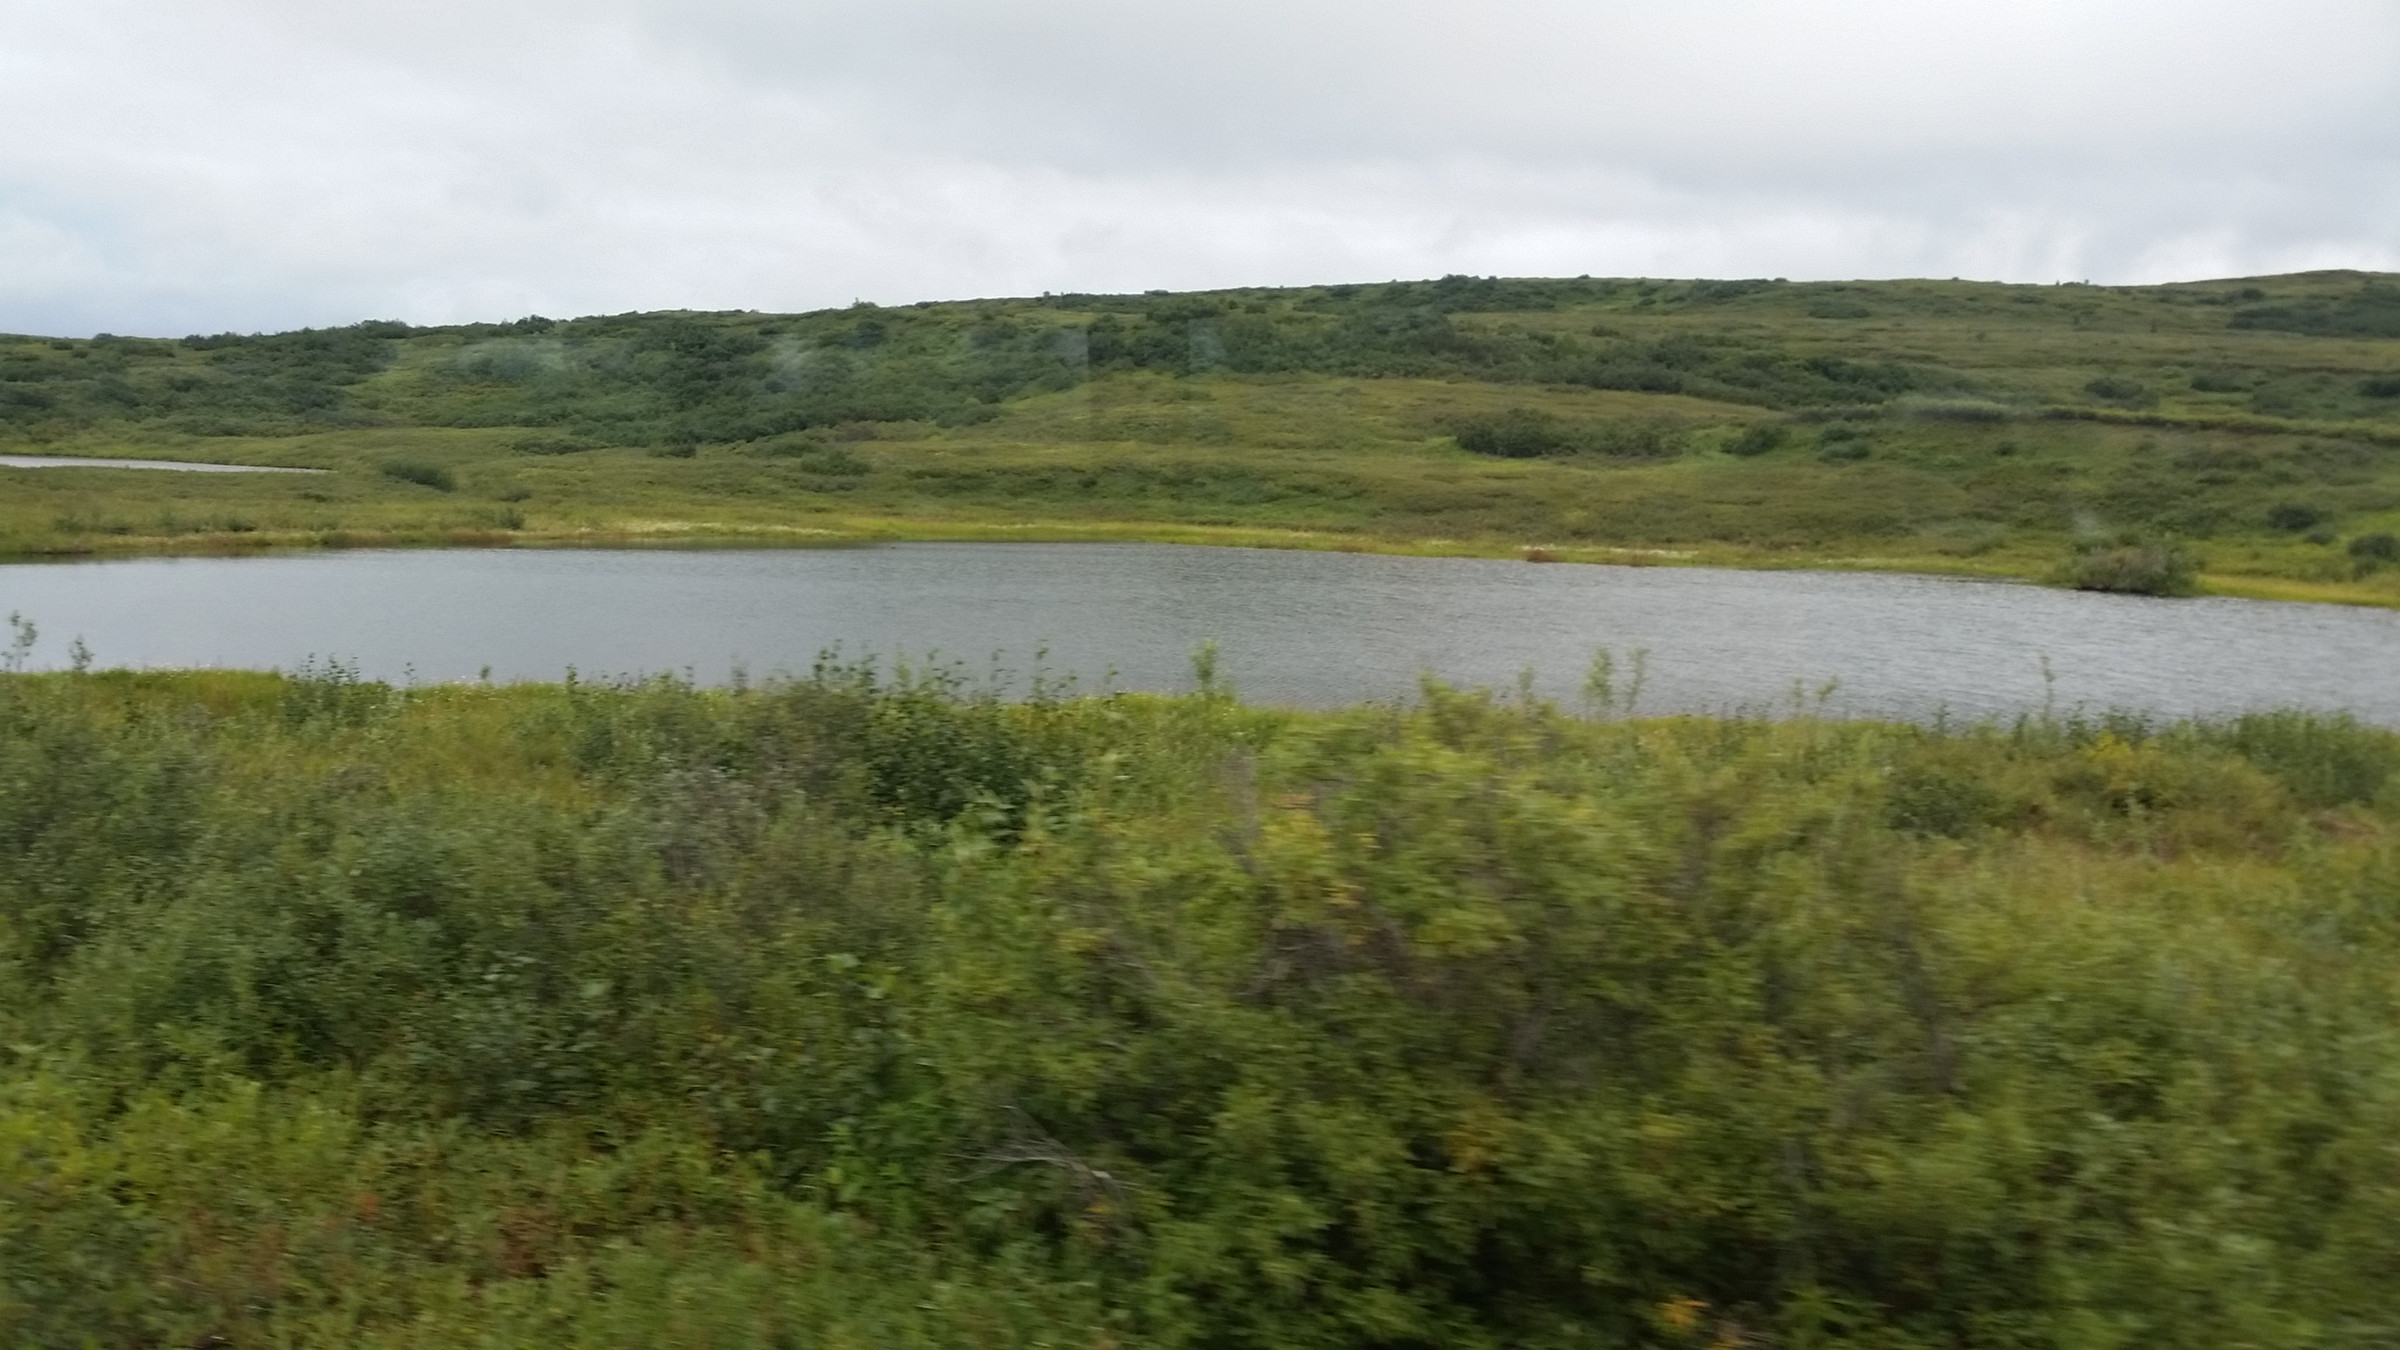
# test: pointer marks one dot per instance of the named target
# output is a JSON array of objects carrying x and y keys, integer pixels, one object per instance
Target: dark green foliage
[
  {"x": 1716, "y": 292},
  {"x": 1759, "y": 438},
  {"x": 2135, "y": 567},
  {"x": 551, "y": 445},
  {"x": 422, "y": 474},
  {"x": 1527, "y": 433},
  {"x": 2377, "y": 547},
  {"x": 849, "y": 1012},
  {"x": 677, "y": 379},
  {"x": 2119, "y": 389},
  {"x": 2373, "y": 310},
  {"x": 2380, "y": 386},
  {"x": 1518, "y": 433},
  {"x": 2293, "y": 517},
  {"x": 1941, "y": 791},
  {"x": 229, "y": 385}
]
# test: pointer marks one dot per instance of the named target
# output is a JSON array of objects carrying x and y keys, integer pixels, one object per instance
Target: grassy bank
[
  {"x": 1950, "y": 426},
  {"x": 844, "y": 1013}
]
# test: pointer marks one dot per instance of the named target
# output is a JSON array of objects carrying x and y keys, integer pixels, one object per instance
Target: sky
[{"x": 177, "y": 166}]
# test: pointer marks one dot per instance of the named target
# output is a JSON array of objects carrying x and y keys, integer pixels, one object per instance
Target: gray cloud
[{"x": 262, "y": 163}]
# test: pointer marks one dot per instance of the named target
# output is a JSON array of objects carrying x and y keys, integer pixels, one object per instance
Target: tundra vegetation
[
  {"x": 850, "y": 1011},
  {"x": 2237, "y": 436}
]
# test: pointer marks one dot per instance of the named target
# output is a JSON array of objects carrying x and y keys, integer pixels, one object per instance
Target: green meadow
[
  {"x": 857, "y": 1012},
  {"x": 2238, "y": 436}
]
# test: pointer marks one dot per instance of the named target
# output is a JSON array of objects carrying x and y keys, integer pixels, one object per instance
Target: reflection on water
[{"x": 1298, "y": 628}]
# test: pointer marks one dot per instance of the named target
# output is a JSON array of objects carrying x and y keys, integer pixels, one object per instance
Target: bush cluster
[
  {"x": 1529, "y": 433},
  {"x": 850, "y": 1012},
  {"x": 435, "y": 476},
  {"x": 2136, "y": 567}
]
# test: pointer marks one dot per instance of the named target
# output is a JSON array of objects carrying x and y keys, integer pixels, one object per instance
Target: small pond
[{"x": 1292, "y": 627}]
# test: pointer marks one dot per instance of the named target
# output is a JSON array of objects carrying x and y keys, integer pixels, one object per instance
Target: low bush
[
  {"x": 2133, "y": 568},
  {"x": 1517, "y": 433},
  {"x": 551, "y": 445},
  {"x": 2293, "y": 517},
  {"x": 849, "y": 1011},
  {"x": 2120, "y": 390},
  {"x": 422, "y": 474},
  {"x": 2377, "y": 547},
  {"x": 1759, "y": 438}
]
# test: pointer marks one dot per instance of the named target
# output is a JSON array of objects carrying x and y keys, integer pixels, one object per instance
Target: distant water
[
  {"x": 1301, "y": 628},
  {"x": 177, "y": 465}
]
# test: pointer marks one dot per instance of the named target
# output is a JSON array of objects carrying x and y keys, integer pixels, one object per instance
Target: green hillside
[{"x": 2252, "y": 426}]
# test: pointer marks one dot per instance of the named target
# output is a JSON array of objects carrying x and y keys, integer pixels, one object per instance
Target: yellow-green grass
[{"x": 1263, "y": 461}]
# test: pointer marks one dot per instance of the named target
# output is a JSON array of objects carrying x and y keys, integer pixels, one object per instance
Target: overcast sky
[{"x": 170, "y": 166}]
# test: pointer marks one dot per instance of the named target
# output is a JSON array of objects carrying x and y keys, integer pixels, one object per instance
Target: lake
[{"x": 1303, "y": 628}]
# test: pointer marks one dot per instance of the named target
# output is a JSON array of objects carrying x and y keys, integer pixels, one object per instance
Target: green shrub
[
  {"x": 2371, "y": 311},
  {"x": 1517, "y": 433},
  {"x": 844, "y": 1012},
  {"x": 1759, "y": 438},
  {"x": 551, "y": 445},
  {"x": 2377, "y": 547},
  {"x": 2121, "y": 390},
  {"x": 2140, "y": 568},
  {"x": 2293, "y": 517},
  {"x": 2323, "y": 761},
  {"x": 423, "y": 474},
  {"x": 2380, "y": 386}
]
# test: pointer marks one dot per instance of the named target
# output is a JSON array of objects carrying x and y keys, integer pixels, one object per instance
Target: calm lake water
[
  {"x": 172, "y": 465},
  {"x": 1293, "y": 628}
]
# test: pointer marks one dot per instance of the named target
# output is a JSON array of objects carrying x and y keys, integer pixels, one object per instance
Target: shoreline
[{"x": 858, "y": 532}]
